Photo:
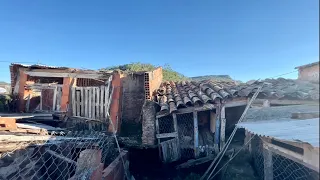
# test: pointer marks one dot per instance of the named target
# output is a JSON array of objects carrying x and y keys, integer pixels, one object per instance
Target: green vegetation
[
  {"x": 168, "y": 73},
  {"x": 225, "y": 78}
]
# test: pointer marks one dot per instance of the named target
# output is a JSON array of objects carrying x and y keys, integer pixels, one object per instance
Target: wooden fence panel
[{"x": 90, "y": 102}]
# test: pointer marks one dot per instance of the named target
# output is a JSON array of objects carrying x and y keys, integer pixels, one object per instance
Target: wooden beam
[
  {"x": 196, "y": 133},
  {"x": 267, "y": 162},
  {"x": 54, "y": 100},
  {"x": 61, "y": 157},
  {"x": 236, "y": 103},
  {"x": 212, "y": 121},
  {"x": 175, "y": 126},
  {"x": 310, "y": 157},
  {"x": 217, "y": 131},
  {"x": 223, "y": 126},
  {"x": 71, "y": 75},
  {"x": 28, "y": 103},
  {"x": 166, "y": 135}
]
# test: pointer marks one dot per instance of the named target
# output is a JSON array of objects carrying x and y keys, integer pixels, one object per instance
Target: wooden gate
[{"x": 90, "y": 102}]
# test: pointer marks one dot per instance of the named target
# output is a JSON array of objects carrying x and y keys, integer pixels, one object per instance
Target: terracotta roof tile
[{"x": 175, "y": 95}]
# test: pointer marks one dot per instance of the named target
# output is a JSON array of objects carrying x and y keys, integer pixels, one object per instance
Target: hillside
[
  {"x": 168, "y": 73},
  {"x": 225, "y": 78}
]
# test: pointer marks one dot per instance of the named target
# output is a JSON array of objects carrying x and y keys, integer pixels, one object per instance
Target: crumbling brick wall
[
  {"x": 309, "y": 73},
  {"x": 132, "y": 97},
  {"x": 153, "y": 81}
]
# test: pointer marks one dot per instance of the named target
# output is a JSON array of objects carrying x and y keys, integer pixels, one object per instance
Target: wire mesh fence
[
  {"x": 186, "y": 135},
  {"x": 56, "y": 156},
  {"x": 282, "y": 167}
]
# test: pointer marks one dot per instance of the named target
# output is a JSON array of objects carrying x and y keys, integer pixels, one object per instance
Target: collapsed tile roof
[{"x": 175, "y": 95}]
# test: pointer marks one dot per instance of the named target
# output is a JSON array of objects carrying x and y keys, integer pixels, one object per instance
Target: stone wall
[{"x": 148, "y": 123}]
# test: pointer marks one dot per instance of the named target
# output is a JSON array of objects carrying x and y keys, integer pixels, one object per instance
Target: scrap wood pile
[{"x": 27, "y": 124}]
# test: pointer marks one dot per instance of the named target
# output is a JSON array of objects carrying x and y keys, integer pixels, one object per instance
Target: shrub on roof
[{"x": 168, "y": 73}]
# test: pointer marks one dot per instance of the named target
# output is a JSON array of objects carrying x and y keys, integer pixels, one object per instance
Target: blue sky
[{"x": 246, "y": 39}]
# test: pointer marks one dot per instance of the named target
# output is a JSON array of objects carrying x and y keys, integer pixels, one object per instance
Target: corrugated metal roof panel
[
  {"x": 39, "y": 66},
  {"x": 286, "y": 129}
]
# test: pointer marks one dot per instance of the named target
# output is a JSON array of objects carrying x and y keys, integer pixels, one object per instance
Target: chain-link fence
[
  {"x": 57, "y": 156},
  {"x": 186, "y": 135},
  {"x": 185, "y": 132},
  {"x": 282, "y": 167}
]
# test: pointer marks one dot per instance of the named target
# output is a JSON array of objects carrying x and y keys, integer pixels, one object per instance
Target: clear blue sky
[{"x": 246, "y": 39}]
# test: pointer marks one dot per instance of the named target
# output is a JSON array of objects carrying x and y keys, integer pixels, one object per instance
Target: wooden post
[
  {"x": 196, "y": 133},
  {"x": 158, "y": 132},
  {"x": 28, "y": 103},
  {"x": 175, "y": 125},
  {"x": 98, "y": 103},
  {"x": 73, "y": 101},
  {"x": 267, "y": 162},
  {"x": 217, "y": 132},
  {"x": 78, "y": 103},
  {"x": 54, "y": 100},
  {"x": 212, "y": 121},
  {"x": 246, "y": 139},
  {"x": 101, "y": 102},
  {"x": 223, "y": 126}
]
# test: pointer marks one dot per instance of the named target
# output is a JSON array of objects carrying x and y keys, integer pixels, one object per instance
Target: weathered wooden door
[{"x": 168, "y": 140}]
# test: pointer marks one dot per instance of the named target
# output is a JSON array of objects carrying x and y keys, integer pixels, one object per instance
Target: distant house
[{"x": 309, "y": 72}]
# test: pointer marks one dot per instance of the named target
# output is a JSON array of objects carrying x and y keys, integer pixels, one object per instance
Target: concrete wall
[
  {"x": 309, "y": 73},
  {"x": 133, "y": 96}
]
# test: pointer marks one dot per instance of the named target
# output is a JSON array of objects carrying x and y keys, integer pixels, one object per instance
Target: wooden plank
[
  {"x": 236, "y": 103},
  {"x": 73, "y": 101},
  {"x": 54, "y": 100},
  {"x": 166, "y": 135},
  {"x": 223, "y": 126},
  {"x": 93, "y": 103},
  {"x": 101, "y": 102},
  {"x": 157, "y": 132},
  {"x": 61, "y": 157},
  {"x": 28, "y": 103},
  {"x": 212, "y": 121},
  {"x": 86, "y": 102},
  {"x": 98, "y": 103},
  {"x": 105, "y": 104},
  {"x": 78, "y": 102},
  {"x": 267, "y": 162},
  {"x": 59, "y": 95},
  {"x": 217, "y": 132},
  {"x": 196, "y": 133},
  {"x": 195, "y": 162},
  {"x": 89, "y": 102},
  {"x": 247, "y": 139},
  {"x": 82, "y": 100},
  {"x": 175, "y": 126}
]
